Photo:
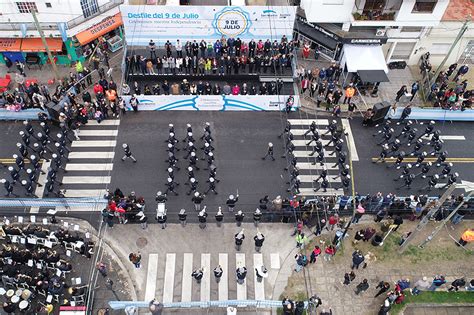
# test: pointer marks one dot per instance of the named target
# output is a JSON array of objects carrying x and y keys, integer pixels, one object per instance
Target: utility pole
[
  {"x": 43, "y": 39},
  {"x": 425, "y": 219},
  {"x": 446, "y": 220},
  {"x": 456, "y": 40}
]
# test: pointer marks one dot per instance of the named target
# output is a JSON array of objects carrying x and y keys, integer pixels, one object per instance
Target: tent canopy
[
  {"x": 373, "y": 76},
  {"x": 364, "y": 57}
]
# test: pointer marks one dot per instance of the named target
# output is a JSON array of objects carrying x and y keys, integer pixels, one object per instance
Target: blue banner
[
  {"x": 24, "y": 29},
  {"x": 62, "y": 26}
]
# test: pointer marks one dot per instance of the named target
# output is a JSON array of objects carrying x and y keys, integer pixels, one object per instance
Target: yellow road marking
[{"x": 430, "y": 159}]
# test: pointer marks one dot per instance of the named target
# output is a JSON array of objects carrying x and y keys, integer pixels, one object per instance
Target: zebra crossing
[
  {"x": 91, "y": 160},
  {"x": 308, "y": 171},
  {"x": 168, "y": 277}
]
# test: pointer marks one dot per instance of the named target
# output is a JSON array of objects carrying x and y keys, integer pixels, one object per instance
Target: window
[
  {"x": 440, "y": 49},
  {"x": 48, "y": 5},
  {"x": 411, "y": 29},
  {"x": 424, "y": 6},
  {"x": 26, "y": 7},
  {"x": 402, "y": 51},
  {"x": 89, "y": 7}
]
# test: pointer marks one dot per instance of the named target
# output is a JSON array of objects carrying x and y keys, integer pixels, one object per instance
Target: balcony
[
  {"x": 376, "y": 10},
  {"x": 374, "y": 16}
]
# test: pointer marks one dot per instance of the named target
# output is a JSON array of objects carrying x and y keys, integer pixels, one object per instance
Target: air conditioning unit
[{"x": 380, "y": 32}]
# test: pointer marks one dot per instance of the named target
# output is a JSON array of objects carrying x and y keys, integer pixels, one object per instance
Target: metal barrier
[
  {"x": 53, "y": 202},
  {"x": 119, "y": 305}
]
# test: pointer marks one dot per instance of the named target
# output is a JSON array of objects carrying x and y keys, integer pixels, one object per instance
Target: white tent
[{"x": 363, "y": 57}]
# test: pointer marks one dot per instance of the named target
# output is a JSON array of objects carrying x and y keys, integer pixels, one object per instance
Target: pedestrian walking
[
  {"x": 349, "y": 277},
  {"x": 357, "y": 259},
  {"x": 314, "y": 254},
  {"x": 301, "y": 240},
  {"x": 362, "y": 287},
  {"x": 102, "y": 268},
  {"x": 128, "y": 153},
  {"x": 269, "y": 152},
  {"x": 403, "y": 90}
]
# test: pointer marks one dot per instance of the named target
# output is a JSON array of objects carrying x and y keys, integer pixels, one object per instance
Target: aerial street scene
[{"x": 237, "y": 157}]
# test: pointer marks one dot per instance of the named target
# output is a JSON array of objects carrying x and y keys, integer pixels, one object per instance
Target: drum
[
  {"x": 10, "y": 293},
  {"x": 15, "y": 299},
  {"x": 26, "y": 294},
  {"x": 23, "y": 305},
  {"x": 19, "y": 292}
]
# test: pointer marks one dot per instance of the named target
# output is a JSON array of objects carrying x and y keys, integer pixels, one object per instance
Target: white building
[{"x": 400, "y": 24}]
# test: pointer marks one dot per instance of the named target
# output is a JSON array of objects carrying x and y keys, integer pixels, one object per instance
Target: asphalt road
[{"x": 371, "y": 178}]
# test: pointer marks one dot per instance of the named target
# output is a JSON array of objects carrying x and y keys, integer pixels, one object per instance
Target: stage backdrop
[
  {"x": 213, "y": 102},
  {"x": 162, "y": 23}
]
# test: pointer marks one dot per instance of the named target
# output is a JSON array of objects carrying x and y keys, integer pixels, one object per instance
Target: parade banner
[
  {"x": 213, "y": 102},
  {"x": 188, "y": 23}
]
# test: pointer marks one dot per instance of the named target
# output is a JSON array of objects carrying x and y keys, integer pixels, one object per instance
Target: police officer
[
  {"x": 295, "y": 185},
  {"x": 417, "y": 147},
  {"x": 231, "y": 201},
  {"x": 239, "y": 239},
  {"x": 425, "y": 170},
  {"x": 202, "y": 217},
  {"x": 398, "y": 161},
  {"x": 49, "y": 188},
  {"x": 451, "y": 180},
  {"x": 45, "y": 128},
  {"x": 19, "y": 161},
  {"x": 318, "y": 147},
  {"x": 25, "y": 138},
  {"x": 258, "y": 239},
  {"x": 218, "y": 273},
  {"x": 8, "y": 187},
  {"x": 319, "y": 159},
  {"x": 295, "y": 172},
  {"x": 239, "y": 218},
  {"x": 344, "y": 171},
  {"x": 208, "y": 148},
  {"x": 44, "y": 141},
  {"x": 269, "y": 152},
  {"x": 383, "y": 154},
  {"x": 346, "y": 181},
  {"x": 386, "y": 136},
  {"x": 212, "y": 185},
  {"x": 257, "y": 217},
  {"x": 61, "y": 151},
  {"x": 171, "y": 185},
  {"x": 446, "y": 170},
  {"x": 14, "y": 174},
  {"x": 32, "y": 177},
  {"x": 182, "y": 217},
  {"x": 322, "y": 175},
  {"x": 213, "y": 171},
  {"x": 190, "y": 148},
  {"x": 314, "y": 137},
  {"x": 35, "y": 163},
  {"x": 420, "y": 159},
  {"x": 193, "y": 161},
  {"x": 219, "y": 217},
  {"x": 341, "y": 160},
  {"x": 408, "y": 181},
  {"x": 406, "y": 171},
  {"x": 207, "y": 131},
  {"x": 338, "y": 147},
  {"x": 28, "y": 188},
  {"x": 193, "y": 183},
  {"x": 210, "y": 159},
  {"x": 52, "y": 175},
  {"x": 128, "y": 153},
  {"x": 287, "y": 129},
  {"x": 58, "y": 162},
  {"x": 331, "y": 128},
  {"x": 441, "y": 158},
  {"x": 324, "y": 185},
  {"x": 172, "y": 139},
  {"x": 385, "y": 128},
  {"x": 292, "y": 162},
  {"x": 435, "y": 137},
  {"x": 312, "y": 129},
  {"x": 188, "y": 130},
  {"x": 171, "y": 148},
  {"x": 411, "y": 136},
  {"x": 405, "y": 130},
  {"x": 428, "y": 130},
  {"x": 431, "y": 183},
  {"x": 172, "y": 161},
  {"x": 64, "y": 132},
  {"x": 29, "y": 128},
  {"x": 437, "y": 148},
  {"x": 190, "y": 173},
  {"x": 171, "y": 173},
  {"x": 39, "y": 149},
  {"x": 62, "y": 142},
  {"x": 289, "y": 149},
  {"x": 197, "y": 200},
  {"x": 335, "y": 137},
  {"x": 22, "y": 149}
]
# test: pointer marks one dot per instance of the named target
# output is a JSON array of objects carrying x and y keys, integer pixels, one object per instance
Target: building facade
[{"x": 71, "y": 28}]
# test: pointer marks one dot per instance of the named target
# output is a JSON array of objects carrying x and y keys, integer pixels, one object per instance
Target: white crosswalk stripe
[
  {"x": 90, "y": 160},
  {"x": 179, "y": 267},
  {"x": 309, "y": 171}
]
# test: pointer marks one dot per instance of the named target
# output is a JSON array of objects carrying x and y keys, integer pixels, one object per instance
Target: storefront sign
[
  {"x": 213, "y": 102},
  {"x": 365, "y": 41},
  {"x": 106, "y": 25},
  {"x": 10, "y": 44},
  {"x": 162, "y": 23},
  {"x": 319, "y": 28}
]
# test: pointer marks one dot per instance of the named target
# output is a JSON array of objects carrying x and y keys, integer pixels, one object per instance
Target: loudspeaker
[{"x": 380, "y": 110}]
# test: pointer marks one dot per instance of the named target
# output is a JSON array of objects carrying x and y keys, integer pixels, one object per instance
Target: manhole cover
[{"x": 141, "y": 242}]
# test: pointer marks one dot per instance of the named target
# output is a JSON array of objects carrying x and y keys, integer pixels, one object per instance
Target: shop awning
[
  {"x": 364, "y": 57},
  {"x": 10, "y": 44},
  {"x": 36, "y": 44},
  {"x": 95, "y": 31},
  {"x": 315, "y": 35},
  {"x": 373, "y": 76}
]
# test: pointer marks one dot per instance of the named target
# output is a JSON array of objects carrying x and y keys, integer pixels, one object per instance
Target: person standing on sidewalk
[
  {"x": 349, "y": 93},
  {"x": 414, "y": 88},
  {"x": 350, "y": 110}
]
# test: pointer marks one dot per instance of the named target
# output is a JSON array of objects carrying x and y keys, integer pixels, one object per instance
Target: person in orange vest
[
  {"x": 112, "y": 98},
  {"x": 349, "y": 93},
  {"x": 466, "y": 237}
]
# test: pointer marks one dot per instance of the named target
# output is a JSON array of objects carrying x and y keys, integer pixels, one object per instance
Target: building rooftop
[{"x": 458, "y": 10}]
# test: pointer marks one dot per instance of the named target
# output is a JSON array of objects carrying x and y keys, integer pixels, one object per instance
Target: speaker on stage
[{"x": 380, "y": 110}]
